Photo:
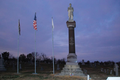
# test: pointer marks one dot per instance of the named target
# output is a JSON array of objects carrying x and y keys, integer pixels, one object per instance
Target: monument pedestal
[
  {"x": 71, "y": 58},
  {"x": 71, "y": 68}
]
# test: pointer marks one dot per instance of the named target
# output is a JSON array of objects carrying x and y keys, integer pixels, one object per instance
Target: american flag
[{"x": 35, "y": 22}]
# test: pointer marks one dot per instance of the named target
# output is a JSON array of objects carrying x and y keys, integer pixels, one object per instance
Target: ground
[{"x": 47, "y": 74}]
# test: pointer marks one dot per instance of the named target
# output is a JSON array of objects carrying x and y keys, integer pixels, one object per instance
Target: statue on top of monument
[{"x": 70, "y": 12}]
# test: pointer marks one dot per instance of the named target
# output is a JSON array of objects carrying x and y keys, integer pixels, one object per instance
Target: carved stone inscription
[{"x": 71, "y": 41}]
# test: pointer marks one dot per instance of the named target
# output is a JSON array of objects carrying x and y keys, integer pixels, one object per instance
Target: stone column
[
  {"x": 71, "y": 58},
  {"x": 71, "y": 26}
]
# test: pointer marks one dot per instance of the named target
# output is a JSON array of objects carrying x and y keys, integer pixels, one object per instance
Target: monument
[
  {"x": 83, "y": 63},
  {"x": 116, "y": 69},
  {"x": 2, "y": 68},
  {"x": 71, "y": 68}
]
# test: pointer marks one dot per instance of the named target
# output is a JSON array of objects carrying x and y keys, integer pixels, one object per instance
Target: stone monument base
[{"x": 71, "y": 70}]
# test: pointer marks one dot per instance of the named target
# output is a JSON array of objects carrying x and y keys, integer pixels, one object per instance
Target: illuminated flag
[
  {"x": 35, "y": 22},
  {"x": 52, "y": 24},
  {"x": 19, "y": 26}
]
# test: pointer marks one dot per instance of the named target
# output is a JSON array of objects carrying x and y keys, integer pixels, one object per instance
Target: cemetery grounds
[{"x": 44, "y": 72}]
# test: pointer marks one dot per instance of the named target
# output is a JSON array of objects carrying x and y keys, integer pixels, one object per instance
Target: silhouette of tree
[
  {"x": 61, "y": 61},
  {"x": 101, "y": 63},
  {"x": 22, "y": 57},
  {"x": 47, "y": 60},
  {"x": 96, "y": 62},
  {"x": 43, "y": 56},
  {"x": 29, "y": 57},
  {"x": 88, "y": 62},
  {"x": 55, "y": 60},
  {"x": 5, "y": 55},
  {"x": 10, "y": 56}
]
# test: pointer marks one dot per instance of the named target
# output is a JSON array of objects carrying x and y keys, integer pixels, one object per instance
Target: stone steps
[{"x": 73, "y": 70}]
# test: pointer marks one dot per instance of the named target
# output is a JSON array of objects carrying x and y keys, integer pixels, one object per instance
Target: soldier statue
[{"x": 70, "y": 12}]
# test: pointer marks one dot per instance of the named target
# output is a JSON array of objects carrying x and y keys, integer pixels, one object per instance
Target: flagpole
[
  {"x": 35, "y": 53},
  {"x": 53, "y": 48},
  {"x": 18, "y": 57},
  {"x": 35, "y": 27},
  {"x": 18, "y": 52}
]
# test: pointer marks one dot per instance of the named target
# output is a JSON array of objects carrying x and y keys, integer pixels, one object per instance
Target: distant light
[{"x": 76, "y": 61}]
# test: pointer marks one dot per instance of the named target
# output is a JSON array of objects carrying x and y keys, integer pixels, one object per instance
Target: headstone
[
  {"x": 2, "y": 68},
  {"x": 58, "y": 67},
  {"x": 20, "y": 66},
  {"x": 107, "y": 71},
  {"x": 94, "y": 64},
  {"x": 31, "y": 63},
  {"x": 101, "y": 69},
  {"x": 110, "y": 71},
  {"x": 85, "y": 71},
  {"x": 41, "y": 68},
  {"x": 104, "y": 70},
  {"x": 91, "y": 65},
  {"x": 98, "y": 63},
  {"x": 104, "y": 64},
  {"x": 10, "y": 63},
  {"x": 13, "y": 66},
  {"x": 5, "y": 62},
  {"x": 45, "y": 62},
  {"x": 83, "y": 63},
  {"x": 88, "y": 77},
  {"x": 116, "y": 69},
  {"x": 110, "y": 64}
]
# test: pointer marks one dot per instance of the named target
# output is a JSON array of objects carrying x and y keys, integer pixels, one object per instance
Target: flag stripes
[{"x": 35, "y": 22}]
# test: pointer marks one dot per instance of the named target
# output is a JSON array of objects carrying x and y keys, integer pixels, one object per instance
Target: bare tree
[{"x": 43, "y": 56}]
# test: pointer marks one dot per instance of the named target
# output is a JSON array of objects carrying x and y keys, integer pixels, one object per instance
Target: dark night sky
[{"x": 97, "y": 32}]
